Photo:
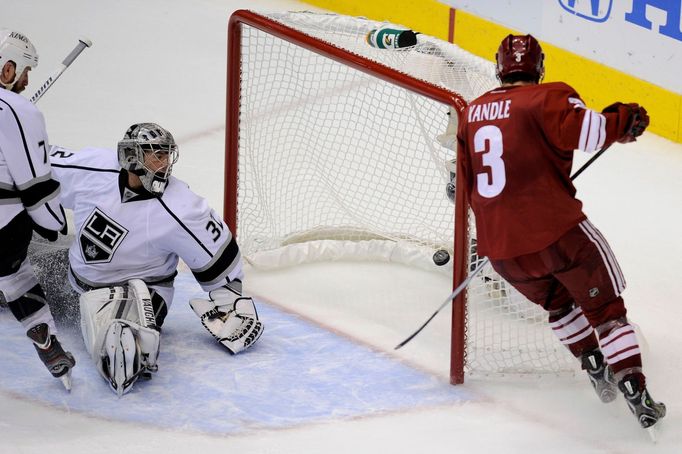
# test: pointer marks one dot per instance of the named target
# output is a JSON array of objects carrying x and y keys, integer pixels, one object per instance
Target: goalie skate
[{"x": 51, "y": 353}]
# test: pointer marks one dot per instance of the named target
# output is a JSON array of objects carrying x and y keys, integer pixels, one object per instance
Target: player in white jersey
[
  {"x": 134, "y": 221},
  {"x": 29, "y": 201}
]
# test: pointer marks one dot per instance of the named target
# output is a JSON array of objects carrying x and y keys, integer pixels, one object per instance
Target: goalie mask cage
[{"x": 332, "y": 152}]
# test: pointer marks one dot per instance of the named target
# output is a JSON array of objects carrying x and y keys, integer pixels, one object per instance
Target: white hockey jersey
[
  {"x": 123, "y": 235},
  {"x": 25, "y": 174}
]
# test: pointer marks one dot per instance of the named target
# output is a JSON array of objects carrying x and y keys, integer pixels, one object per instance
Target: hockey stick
[
  {"x": 589, "y": 163},
  {"x": 80, "y": 47},
  {"x": 483, "y": 263}
]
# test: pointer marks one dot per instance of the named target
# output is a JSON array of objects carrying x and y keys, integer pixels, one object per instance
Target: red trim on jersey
[
  {"x": 577, "y": 316},
  {"x": 587, "y": 328},
  {"x": 620, "y": 352},
  {"x": 625, "y": 333}
]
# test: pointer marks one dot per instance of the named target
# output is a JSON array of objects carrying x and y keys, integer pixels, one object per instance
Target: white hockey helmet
[
  {"x": 17, "y": 48},
  {"x": 120, "y": 363},
  {"x": 145, "y": 138}
]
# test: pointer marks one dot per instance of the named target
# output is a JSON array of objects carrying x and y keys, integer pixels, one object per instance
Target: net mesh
[{"x": 334, "y": 162}]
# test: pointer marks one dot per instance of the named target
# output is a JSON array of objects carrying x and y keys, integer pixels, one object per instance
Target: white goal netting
[{"x": 335, "y": 163}]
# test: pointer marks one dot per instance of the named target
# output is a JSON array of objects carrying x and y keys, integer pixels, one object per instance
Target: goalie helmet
[
  {"x": 141, "y": 146},
  {"x": 17, "y": 48},
  {"x": 520, "y": 54}
]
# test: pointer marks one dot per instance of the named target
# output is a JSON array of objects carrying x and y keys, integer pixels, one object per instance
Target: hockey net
[{"x": 332, "y": 154}]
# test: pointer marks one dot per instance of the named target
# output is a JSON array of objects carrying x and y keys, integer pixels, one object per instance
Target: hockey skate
[
  {"x": 601, "y": 376},
  {"x": 51, "y": 353},
  {"x": 647, "y": 411}
]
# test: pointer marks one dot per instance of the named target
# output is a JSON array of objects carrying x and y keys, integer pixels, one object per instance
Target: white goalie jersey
[{"x": 123, "y": 235}]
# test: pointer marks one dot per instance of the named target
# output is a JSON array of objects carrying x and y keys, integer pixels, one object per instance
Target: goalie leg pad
[
  {"x": 121, "y": 364},
  {"x": 233, "y": 323},
  {"x": 129, "y": 352},
  {"x": 98, "y": 308},
  {"x": 120, "y": 333}
]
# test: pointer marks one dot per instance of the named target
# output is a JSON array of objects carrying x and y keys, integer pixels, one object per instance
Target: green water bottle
[{"x": 391, "y": 38}]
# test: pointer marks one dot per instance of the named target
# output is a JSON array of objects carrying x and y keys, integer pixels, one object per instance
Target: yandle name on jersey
[{"x": 495, "y": 110}]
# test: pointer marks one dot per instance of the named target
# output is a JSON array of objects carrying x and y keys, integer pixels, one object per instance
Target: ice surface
[
  {"x": 164, "y": 61},
  {"x": 295, "y": 374}
]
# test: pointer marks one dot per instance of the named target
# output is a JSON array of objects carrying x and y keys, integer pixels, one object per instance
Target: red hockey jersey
[{"x": 515, "y": 152}]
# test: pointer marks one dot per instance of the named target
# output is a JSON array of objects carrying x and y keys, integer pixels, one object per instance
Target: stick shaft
[
  {"x": 589, "y": 163},
  {"x": 80, "y": 47},
  {"x": 447, "y": 300},
  {"x": 484, "y": 262}
]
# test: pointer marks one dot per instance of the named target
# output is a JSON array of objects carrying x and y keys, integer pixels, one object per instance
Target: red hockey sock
[
  {"x": 620, "y": 348},
  {"x": 573, "y": 330}
]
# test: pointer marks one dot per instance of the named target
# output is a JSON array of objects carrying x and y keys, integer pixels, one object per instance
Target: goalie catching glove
[{"x": 230, "y": 318}]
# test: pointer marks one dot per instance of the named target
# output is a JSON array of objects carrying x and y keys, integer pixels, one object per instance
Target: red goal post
[{"x": 287, "y": 28}]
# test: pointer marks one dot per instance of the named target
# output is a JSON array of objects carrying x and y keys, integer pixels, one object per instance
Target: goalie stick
[
  {"x": 80, "y": 47},
  {"x": 483, "y": 263}
]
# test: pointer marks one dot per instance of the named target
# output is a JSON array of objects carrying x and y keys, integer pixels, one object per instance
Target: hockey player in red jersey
[{"x": 515, "y": 152}]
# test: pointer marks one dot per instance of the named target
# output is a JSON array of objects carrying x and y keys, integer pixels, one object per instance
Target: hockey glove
[
  {"x": 230, "y": 318},
  {"x": 633, "y": 116}
]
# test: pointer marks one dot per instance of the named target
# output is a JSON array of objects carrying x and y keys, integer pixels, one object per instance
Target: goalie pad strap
[{"x": 145, "y": 309}]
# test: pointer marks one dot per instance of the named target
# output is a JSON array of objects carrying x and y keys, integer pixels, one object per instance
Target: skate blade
[
  {"x": 66, "y": 380},
  {"x": 653, "y": 433},
  {"x": 607, "y": 396}
]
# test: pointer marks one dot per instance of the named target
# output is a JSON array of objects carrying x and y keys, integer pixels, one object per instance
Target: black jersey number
[
  {"x": 215, "y": 227},
  {"x": 42, "y": 144},
  {"x": 61, "y": 154}
]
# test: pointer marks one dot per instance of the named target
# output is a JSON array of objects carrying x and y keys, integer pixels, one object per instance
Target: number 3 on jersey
[{"x": 488, "y": 140}]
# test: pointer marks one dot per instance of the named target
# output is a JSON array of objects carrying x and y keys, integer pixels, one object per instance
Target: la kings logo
[{"x": 100, "y": 237}]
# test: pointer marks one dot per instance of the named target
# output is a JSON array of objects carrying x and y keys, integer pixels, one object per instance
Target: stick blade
[
  {"x": 653, "y": 434},
  {"x": 417, "y": 332},
  {"x": 400, "y": 345}
]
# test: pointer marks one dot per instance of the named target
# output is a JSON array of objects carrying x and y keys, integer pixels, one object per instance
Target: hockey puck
[{"x": 441, "y": 257}]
